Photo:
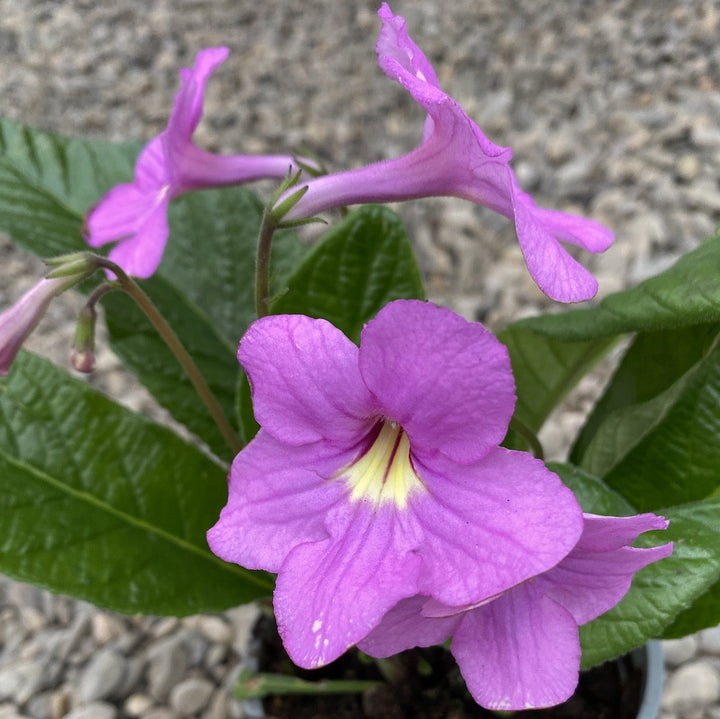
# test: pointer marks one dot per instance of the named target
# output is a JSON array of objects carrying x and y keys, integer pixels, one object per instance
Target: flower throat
[{"x": 384, "y": 472}]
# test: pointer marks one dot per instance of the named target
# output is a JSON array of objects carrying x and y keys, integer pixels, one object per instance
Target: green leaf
[
  {"x": 359, "y": 266},
  {"x": 688, "y": 293},
  {"x": 676, "y": 595},
  {"x": 664, "y": 451},
  {"x": 704, "y": 613},
  {"x": 591, "y": 492},
  {"x": 47, "y": 182},
  {"x": 550, "y": 353},
  {"x": 653, "y": 362},
  {"x": 664, "y": 589},
  {"x": 546, "y": 369},
  {"x": 211, "y": 255},
  {"x": 105, "y": 505}
]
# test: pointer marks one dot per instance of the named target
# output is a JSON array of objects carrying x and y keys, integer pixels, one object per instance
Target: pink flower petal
[
  {"x": 447, "y": 381},
  {"x": 521, "y": 651},
  {"x": 331, "y": 594},
  {"x": 278, "y": 498},
  {"x": 140, "y": 254},
  {"x": 170, "y": 165},
  {"x": 598, "y": 572},
  {"x": 404, "y": 627},
  {"x": 492, "y": 524},
  {"x": 305, "y": 381},
  {"x": 188, "y": 103},
  {"x": 455, "y": 158}
]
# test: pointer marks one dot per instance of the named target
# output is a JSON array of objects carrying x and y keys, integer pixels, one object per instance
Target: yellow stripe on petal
[{"x": 384, "y": 473}]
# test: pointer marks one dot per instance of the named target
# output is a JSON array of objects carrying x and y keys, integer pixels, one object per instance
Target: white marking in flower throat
[{"x": 384, "y": 472}]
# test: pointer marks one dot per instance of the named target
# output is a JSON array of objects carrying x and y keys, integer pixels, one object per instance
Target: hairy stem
[{"x": 171, "y": 339}]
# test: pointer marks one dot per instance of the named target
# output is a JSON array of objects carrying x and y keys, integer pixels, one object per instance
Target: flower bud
[
  {"x": 83, "y": 351},
  {"x": 18, "y": 321}
]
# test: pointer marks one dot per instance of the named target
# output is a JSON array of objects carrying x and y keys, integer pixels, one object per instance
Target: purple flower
[
  {"x": 456, "y": 159},
  {"x": 136, "y": 213},
  {"x": 377, "y": 474},
  {"x": 521, "y": 650},
  {"x": 19, "y": 320}
]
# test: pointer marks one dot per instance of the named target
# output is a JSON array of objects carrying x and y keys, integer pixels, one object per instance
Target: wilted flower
[
  {"x": 377, "y": 474},
  {"x": 521, "y": 649},
  {"x": 171, "y": 164},
  {"x": 455, "y": 158}
]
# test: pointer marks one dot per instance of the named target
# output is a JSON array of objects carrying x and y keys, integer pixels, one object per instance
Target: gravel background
[{"x": 612, "y": 111}]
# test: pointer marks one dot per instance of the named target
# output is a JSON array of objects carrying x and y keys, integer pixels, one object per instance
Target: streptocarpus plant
[{"x": 391, "y": 485}]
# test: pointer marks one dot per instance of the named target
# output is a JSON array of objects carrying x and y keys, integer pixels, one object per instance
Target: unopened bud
[
  {"x": 18, "y": 321},
  {"x": 77, "y": 266},
  {"x": 83, "y": 351}
]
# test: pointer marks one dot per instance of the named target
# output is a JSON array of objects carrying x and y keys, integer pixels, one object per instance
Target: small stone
[
  {"x": 138, "y": 704},
  {"x": 168, "y": 660},
  {"x": 216, "y": 655},
  {"x": 102, "y": 676},
  {"x": 710, "y": 640},
  {"x": 67, "y": 640},
  {"x": 704, "y": 194},
  {"x": 243, "y": 619},
  {"x": 191, "y": 696},
  {"x": 679, "y": 651},
  {"x": 106, "y": 627},
  {"x": 9, "y": 711},
  {"x": 694, "y": 686},
  {"x": 20, "y": 679},
  {"x": 94, "y": 710},
  {"x": 40, "y": 706},
  {"x": 216, "y": 629},
  {"x": 161, "y": 713},
  {"x": 60, "y": 704},
  {"x": 688, "y": 167},
  {"x": 133, "y": 675},
  {"x": 218, "y": 706},
  {"x": 165, "y": 626},
  {"x": 33, "y": 619}
]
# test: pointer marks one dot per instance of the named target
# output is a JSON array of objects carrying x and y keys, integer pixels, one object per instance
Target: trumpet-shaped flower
[
  {"x": 19, "y": 320},
  {"x": 377, "y": 475},
  {"x": 455, "y": 158},
  {"x": 171, "y": 164},
  {"x": 521, "y": 649}
]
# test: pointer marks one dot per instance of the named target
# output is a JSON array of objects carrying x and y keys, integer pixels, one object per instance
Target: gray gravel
[{"x": 611, "y": 109}]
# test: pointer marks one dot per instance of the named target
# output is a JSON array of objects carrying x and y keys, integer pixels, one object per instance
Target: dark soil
[{"x": 431, "y": 687}]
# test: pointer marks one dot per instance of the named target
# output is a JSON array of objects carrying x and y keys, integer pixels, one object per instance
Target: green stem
[
  {"x": 262, "y": 265},
  {"x": 176, "y": 347},
  {"x": 529, "y": 436}
]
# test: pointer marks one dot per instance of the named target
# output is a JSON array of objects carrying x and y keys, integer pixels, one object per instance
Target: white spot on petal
[{"x": 317, "y": 625}]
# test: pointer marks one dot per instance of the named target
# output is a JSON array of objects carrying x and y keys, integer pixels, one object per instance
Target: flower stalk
[{"x": 173, "y": 342}]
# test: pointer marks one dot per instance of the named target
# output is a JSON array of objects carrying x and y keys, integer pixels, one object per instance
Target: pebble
[
  {"x": 710, "y": 641},
  {"x": 679, "y": 651},
  {"x": 191, "y": 695},
  {"x": 102, "y": 676},
  {"x": 693, "y": 687},
  {"x": 138, "y": 704},
  {"x": 161, "y": 713},
  {"x": 94, "y": 710},
  {"x": 168, "y": 662}
]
